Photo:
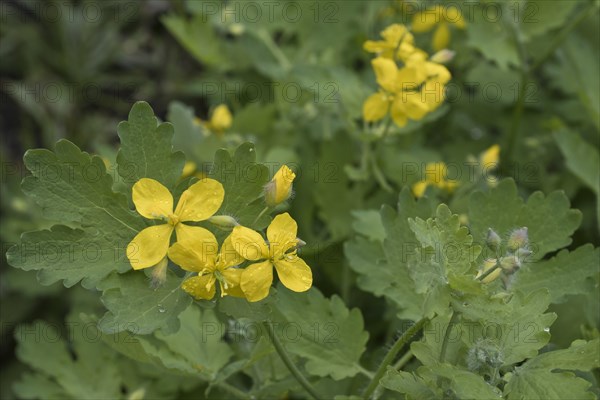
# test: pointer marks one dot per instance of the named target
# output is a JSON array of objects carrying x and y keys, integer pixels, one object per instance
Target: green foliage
[{"x": 146, "y": 148}]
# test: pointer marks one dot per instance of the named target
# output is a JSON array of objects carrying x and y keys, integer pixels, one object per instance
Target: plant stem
[
  {"x": 261, "y": 214},
  {"x": 389, "y": 357},
  {"x": 451, "y": 324},
  {"x": 403, "y": 360},
  {"x": 237, "y": 393},
  {"x": 489, "y": 271},
  {"x": 285, "y": 357}
]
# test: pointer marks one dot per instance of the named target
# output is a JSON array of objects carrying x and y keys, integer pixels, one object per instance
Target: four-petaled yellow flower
[
  {"x": 279, "y": 189},
  {"x": 435, "y": 175},
  {"x": 200, "y": 254},
  {"x": 154, "y": 201},
  {"x": 397, "y": 43},
  {"x": 280, "y": 252},
  {"x": 410, "y": 92},
  {"x": 441, "y": 16}
]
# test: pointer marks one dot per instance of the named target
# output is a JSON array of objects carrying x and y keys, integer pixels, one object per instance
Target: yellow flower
[
  {"x": 435, "y": 175},
  {"x": 397, "y": 43},
  {"x": 490, "y": 158},
  {"x": 220, "y": 119},
  {"x": 279, "y": 189},
  {"x": 199, "y": 254},
  {"x": 153, "y": 201},
  {"x": 441, "y": 16},
  {"x": 407, "y": 93},
  {"x": 279, "y": 252}
]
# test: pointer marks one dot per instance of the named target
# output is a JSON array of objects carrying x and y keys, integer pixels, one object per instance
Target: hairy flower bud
[
  {"x": 280, "y": 187},
  {"x": 518, "y": 239},
  {"x": 223, "y": 221},
  {"x": 159, "y": 274},
  {"x": 510, "y": 263},
  {"x": 443, "y": 56},
  {"x": 493, "y": 240}
]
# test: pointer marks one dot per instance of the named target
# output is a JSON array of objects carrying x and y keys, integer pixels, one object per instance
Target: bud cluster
[{"x": 516, "y": 251}]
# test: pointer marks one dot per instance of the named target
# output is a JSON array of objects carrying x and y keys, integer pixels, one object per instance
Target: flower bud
[
  {"x": 159, "y": 274},
  {"x": 493, "y": 240},
  {"x": 137, "y": 394},
  {"x": 518, "y": 239},
  {"x": 223, "y": 221},
  {"x": 221, "y": 118},
  {"x": 510, "y": 263},
  {"x": 443, "y": 56},
  {"x": 487, "y": 265},
  {"x": 522, "y": 254},
  {"x": 280, "y": 187}
]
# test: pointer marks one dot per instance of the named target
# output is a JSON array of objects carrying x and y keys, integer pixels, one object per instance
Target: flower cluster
[
  {"x": 439, "y": 17},
  {"x": 410, "y": 85},
  {"x": 242, "y": 265}
]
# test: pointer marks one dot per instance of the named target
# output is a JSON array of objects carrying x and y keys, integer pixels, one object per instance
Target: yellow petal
[
  {"x": 489, "y": 158},
  {"x": 441, "y": 37},
  {"x": 437, "y": 72},
  {"x": 281, "y": 234},
  {"x": 416, "y": 106},
  {"x": 221, "y": 118},
  {"x": 398, "y": 112},
  {"x": 233, "y": 277},
  {"x": 418, "y": 188},
  {"x": 386, "y": 72},
  {"x": 200, "y": 287},
  {"x": 376, "y": 107},
  {"x": 410, "y": 77},
  {"x": 149, "y": 246},
  {"x": 197, "y": 252},
  {"x": 256, "y": 280},
  {"x": 294, "y": 273},
  {"x": 425, "y": 20},
  {"x": 186, "y": 232},
  {"x": 395, "y": 33},
  {"x": 228, "y": 257},
  {"x": 375, "y": 46},
  {"x": 249, "y": 244},
  {"x": 200, "y": 201},
  {"x": 152, "y": 200},
  {"x": 279, "y": 189}
]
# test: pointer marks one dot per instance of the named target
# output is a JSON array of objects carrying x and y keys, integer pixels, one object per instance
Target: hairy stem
[{"x": 389, "y": 357}]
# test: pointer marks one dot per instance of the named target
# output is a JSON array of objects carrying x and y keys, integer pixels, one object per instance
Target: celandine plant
[
  {"x": 205, "y": 283},
  {"x": 475, "y": 315}
]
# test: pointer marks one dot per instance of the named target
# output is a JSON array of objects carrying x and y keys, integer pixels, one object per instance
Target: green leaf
[
  {"x": 446, "y": 250},
  {"x": 67, "y": 254},
  {"x": 537, "y": 17},
  {"x": 583, "y": 160},
  {"x": 492, "y": 38},
  {"x": 549, "y": 220},
  {"x": 546, "y": 376},
  {"x": 133, "y": 306},
  {"x": 146, "y": 148},
  {"x": 243, "y": 180},
  {"x": 323, "y": 331},
  {"x": 410, "y": 384},
  {"x": 197, "y": 347},
  {"x": 91, "y": 374},
  {"x": 568, "y": 273},
  {"x": 369, "y": 224},
  {"x": 73, "y": 187},
  {"x": 516, "y": 325},
  {"x": 197, "y": 37},
  {"x": 187, "y": 134}
]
